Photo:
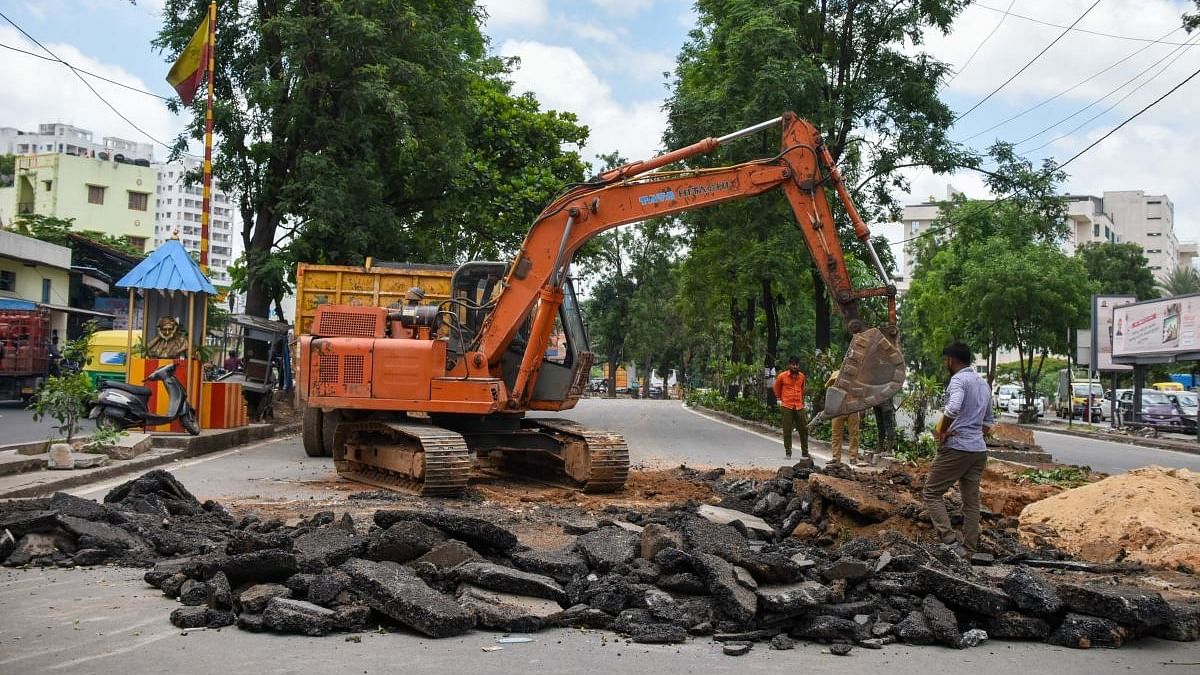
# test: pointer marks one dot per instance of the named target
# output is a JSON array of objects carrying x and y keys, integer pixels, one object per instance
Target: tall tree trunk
[
  {"x": 735, "y": 323},
  {"x": 646, "y": 379},
  {"x": 771, "y": 355},
  {"x": 614, "y": 362},
  {"x": 821, "y": 310}
]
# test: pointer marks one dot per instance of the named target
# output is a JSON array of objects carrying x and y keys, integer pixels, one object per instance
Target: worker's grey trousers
[{"x": 965, "y": 468}]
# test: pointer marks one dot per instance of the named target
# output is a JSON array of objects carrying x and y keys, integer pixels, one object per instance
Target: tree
[
  {"x": 8, "y": 169},
  {"x": 358, "y": 127},
  {"x": 1180, "y": 281},
  {"x": 1031, "y": 298},
  {"x": 607, "y": 312},
  {"x": 848, "y": 67},
  {"x": 1032, "y": 212},
  {"x": 57, "y": 230},
  {"x": 1120, "y": 269}
]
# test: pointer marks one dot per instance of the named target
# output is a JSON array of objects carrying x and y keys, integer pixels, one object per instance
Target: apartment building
[
  {"x": 70, "y": 140},
  {"x": 98, "y": 194},
  {"x": 179, "y": 205}
]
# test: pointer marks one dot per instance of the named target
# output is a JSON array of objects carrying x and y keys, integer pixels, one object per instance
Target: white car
[
  {"x": 1005, "y": 393},
  {"x": 1017, "y": 401}
]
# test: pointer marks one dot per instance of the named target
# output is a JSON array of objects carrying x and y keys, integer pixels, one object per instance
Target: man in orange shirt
[{"x": 789, "y": 390}]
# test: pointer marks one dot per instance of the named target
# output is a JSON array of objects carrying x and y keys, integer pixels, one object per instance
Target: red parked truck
[{"x": 24, "y": 352}]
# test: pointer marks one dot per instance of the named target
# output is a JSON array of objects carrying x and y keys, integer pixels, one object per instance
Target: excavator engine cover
[{"x": 872, "y": 372}]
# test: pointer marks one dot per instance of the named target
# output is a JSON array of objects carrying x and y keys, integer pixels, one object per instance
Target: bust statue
[{"x": 169, "y": 343}]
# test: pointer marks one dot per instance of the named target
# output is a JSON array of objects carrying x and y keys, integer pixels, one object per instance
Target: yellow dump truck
[{"x": 371, "y": 285}]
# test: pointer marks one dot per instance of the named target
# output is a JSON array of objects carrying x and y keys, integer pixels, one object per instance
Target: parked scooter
[{"x": 122, "y": 406}]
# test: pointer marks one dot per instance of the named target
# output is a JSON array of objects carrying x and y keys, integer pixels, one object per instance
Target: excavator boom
[{"x": 874, "y": 368}]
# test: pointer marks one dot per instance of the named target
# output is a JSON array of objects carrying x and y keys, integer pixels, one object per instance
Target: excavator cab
[{"x": 568, "y": 357}]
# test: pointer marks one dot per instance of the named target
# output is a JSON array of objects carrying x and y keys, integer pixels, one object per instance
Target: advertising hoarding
[
  {"x": 1165, "y": 327},
  {"x": 1102, "y": 331}
]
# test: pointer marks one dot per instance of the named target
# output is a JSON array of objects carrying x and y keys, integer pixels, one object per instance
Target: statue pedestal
[{"x": 222, "y": 405}]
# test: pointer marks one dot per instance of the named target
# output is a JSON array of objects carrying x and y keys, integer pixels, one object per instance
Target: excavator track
[
  {"x": 417, "y": 458},
  {"x": 605, "y": 454}
]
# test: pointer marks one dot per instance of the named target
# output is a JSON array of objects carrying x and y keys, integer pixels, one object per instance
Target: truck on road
[
  {"x": 24, "y": 350},
  {"x": 1079, "y": 397}
]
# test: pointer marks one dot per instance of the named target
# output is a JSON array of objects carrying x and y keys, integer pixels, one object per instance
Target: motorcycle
[{"x": 122, "y": 406}]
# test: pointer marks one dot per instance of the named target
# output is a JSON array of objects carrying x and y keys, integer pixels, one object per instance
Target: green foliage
[
  {"x": 55, "y": 230},
  {"x": 102, "y": 438},
  {"x": 920, "y": 398},
  {"x": 747, "y": 408},
  {"x": 1192, "y": 21},
  {"x": 64, "y": 399},
  {"x": 8, "y": 169},
  {"x": 1118, "y": 269},
  {"x": 917, "y": 451},
  {"x": 853, "y": 71},
  {"x": 955, "y": 268},
  {"x": 1180, "y": 281},
  {"x": 1063, "y": 477},
  {"x": 362, "y": 128}
]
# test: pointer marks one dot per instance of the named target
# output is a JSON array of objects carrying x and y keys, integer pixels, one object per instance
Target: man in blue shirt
[{"x": 962, "y": 454}]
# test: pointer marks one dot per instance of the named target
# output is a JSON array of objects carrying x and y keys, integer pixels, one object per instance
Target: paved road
[
  {"x": 107, "y": 621},
  {"x": 1109, "y": 457},
  {"x": 17, "y": 425}
]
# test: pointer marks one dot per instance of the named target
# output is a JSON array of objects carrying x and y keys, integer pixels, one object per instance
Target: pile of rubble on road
[{"x": 656, "y": 576}]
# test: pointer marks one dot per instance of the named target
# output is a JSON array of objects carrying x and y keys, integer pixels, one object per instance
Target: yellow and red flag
[{"x": 188, "y": 71}]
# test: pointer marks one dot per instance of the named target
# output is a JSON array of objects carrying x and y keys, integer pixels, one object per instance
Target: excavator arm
[{"x": 873, "y": 370}]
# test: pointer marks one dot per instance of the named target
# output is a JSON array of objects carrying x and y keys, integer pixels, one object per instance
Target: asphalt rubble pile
[{"x": 659, "y": 576}]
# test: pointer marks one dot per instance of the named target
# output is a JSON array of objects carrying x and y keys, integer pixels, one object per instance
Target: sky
[{"x": 605, "y": 60}]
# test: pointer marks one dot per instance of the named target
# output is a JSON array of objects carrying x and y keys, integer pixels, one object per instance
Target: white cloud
[
  {"x": 623, "y": 7},
  {"x": 594, "y": 33},
  {"x": 526, "y": 13},
  {"x": 37, "y": 91},
  {"x": 1155, "y": 153},
  {"x": 562, "y": 80}
]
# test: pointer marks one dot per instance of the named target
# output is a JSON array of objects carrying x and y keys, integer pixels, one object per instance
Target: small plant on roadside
[
  {"x": 1064, "y": 476},
  {"x": 915, "y": 451},
  {"x": 102, "y": 438},
  {"x": 64, "y": 399}
]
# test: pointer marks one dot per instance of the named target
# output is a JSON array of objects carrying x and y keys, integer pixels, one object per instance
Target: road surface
[
  {"x": 106, "y": 620},
  {"x": 17, "y": 425}
]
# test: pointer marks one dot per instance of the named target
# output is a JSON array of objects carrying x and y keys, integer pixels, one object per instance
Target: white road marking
[
  {"x": 776, "y": 439},
  {"x": 116, "y": 652},
  {"x": 71, "y": 644},
  {"x": 173, "y": 467}
]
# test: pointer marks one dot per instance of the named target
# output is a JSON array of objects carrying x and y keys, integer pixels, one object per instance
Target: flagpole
[{"x": 206, "y": 206}]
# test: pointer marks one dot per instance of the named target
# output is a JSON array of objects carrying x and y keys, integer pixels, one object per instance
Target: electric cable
[{"x": 1029, "y": 63}]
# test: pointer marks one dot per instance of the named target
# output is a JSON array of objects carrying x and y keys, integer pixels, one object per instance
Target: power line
[
  {"x": 1067, "y": 91},
  {"x": 980, "y": 45},
  {"x": 1177, "y": 53},
  {"x": 994, "y": 203},
  {"x": 1077, "y": 30},
  {"x": 85, "y": 72},
  {"x": 85, "y": 82},
  {"x": 1030, "y": 63},
  {"x": 1114, "y": 130}
]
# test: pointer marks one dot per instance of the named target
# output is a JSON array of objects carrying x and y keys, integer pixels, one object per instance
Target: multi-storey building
[
  {"x": 1119, "y": 216},
  {"x": 1149, "y": 221},
  {"x": 70, "y": 140},
  {"x": 179, "y": 207},
  {"x": 101, "y": 195}
]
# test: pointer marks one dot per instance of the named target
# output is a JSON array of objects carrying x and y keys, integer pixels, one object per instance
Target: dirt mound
[{"x": 1150, "y": 515}]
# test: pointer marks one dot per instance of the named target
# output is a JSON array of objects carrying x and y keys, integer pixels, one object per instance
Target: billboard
[
  {"x": 1157, "y": 327},
  {"x": 1102, "y": 331}
]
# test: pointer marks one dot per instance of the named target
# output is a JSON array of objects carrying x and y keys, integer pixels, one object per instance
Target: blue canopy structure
[{"x": 168, "y": 268}]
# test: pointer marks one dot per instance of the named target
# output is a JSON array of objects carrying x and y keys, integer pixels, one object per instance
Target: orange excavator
[{"x": 411, "y": 397}]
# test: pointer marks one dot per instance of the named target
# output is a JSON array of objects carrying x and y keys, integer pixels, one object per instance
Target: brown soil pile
[
  {"x": 644, "y": 487},
  {"x": 1150, "y": 515}
]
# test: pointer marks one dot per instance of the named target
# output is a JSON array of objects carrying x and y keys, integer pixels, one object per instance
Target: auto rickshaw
[{"x": 107, "y": 356}]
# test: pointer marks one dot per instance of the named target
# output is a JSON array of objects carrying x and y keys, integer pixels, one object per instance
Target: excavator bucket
[{"x": 872, "y": 372}]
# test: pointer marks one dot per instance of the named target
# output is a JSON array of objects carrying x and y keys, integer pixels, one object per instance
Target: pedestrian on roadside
[
  {"x": 962, "y": 451},
  {"x": 840, "y": 425},
  {"x": 789, "y": 391}
]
